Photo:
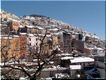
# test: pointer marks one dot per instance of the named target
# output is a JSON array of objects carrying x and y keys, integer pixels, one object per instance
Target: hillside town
[{"x": 39, "y": 47}]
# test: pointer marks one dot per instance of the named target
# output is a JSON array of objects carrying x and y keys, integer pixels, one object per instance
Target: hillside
[{"x": 51, "y": 24}]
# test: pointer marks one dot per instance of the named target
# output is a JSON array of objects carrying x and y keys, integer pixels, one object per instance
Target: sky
[{"x": 88, "y": 15}]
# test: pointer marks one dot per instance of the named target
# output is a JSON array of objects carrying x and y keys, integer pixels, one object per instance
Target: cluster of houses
[{"x": 18, "y": 35}]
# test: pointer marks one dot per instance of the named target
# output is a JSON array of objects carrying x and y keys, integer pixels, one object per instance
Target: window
[
  {"x": 29, "y": 44},
  {"x": 29, "y": 39},
  {"x": 36, "y": 44},
  {"x": 5, "y": 19}
]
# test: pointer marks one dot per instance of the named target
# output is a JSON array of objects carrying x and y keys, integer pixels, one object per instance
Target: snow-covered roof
[
  {"x": 27, "y": 17},
  {"x": 15, "y": 36},
  {"x": 96, "y": 48},
  {"x": 1, "y": 64},
  {"x": 8, "y": 63},
  {"x": 21, "y": 26},
  {"x": 22, "y": 78},
  {"x": 23, "y": 33},
  {"x": 39, "y": 27},
  {"x": 87, "y": 35},
  {"x": 30, "y": 26},
  {"x": 48, "y": 35},
  {"x": 0, "y": 24},
  {"x": 82, "y": 60},
  {"x": 72, "y": 32},
  {"x": 54, "y": 68},
  {"x": 5, "y": 37},
  {"x": 57, "y": 33},
  {"x": 13, "y": 19},
  {"x": 51, "y": 62},
  {"x": 90, "y": 48},
  {"x": 100, "y": 49},
  {"x": 30, "y": 34},
  {"x": 66, "y": 58},
  {"x": 94, "y": 36},
  {"x": 55, "y": 29},
  {"x": 75, "y": 67},
  {"x": 65, "y": 54},
  {"x": 40, "y": 34}
]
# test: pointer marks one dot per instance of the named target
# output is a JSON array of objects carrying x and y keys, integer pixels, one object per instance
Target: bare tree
[{"x": 19, "y": 67}]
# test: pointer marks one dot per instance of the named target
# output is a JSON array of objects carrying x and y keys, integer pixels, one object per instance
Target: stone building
[
  {"x": 13, "y": 46},
  {"x": 10, "y": 47}
]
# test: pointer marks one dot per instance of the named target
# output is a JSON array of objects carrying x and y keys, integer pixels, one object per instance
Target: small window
[
  {"x": 36, "y": 43},
  {"x": 36, "y": 39},
  {"x": 29, "y": 39},
  {"x": 5, "y": 19}
]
